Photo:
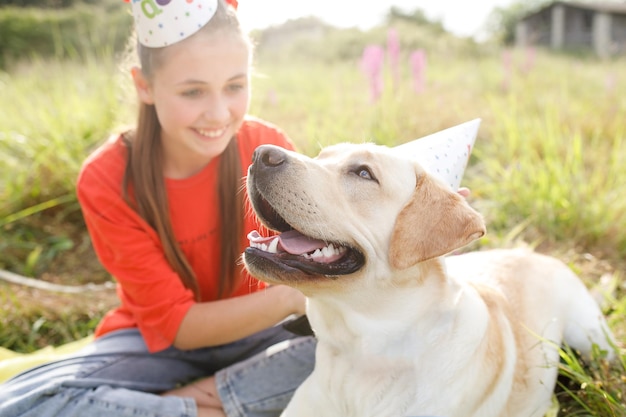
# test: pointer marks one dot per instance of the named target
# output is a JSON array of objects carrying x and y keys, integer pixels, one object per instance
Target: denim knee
[{"x": 263, "y": 385}]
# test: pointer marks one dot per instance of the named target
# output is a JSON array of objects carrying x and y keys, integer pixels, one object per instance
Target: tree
[
  {"x": 48, "y": 4},
  {"x": 417, "y": 17},
  {"x": 502, "y": 20}
]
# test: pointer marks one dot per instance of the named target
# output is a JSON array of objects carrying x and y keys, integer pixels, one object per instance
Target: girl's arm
[
  {"x": 150, "y": 290},
  {"x": 224, "y": 321}
]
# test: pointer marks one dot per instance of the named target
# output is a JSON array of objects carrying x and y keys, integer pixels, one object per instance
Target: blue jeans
[{"x": 116, "y": 376}]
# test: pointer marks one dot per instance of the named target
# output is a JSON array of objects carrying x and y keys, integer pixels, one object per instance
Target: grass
[
  {"x": 548, "y": 170},
  {"x": 590, "y": 389},
  {"x": 53, "y": 115}
]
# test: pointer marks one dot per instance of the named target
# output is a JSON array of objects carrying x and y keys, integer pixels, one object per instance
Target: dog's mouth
[{"x": 292, "y": 250}]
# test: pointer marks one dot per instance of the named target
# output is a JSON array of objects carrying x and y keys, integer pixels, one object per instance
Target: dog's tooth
[
  {"x": 318, "y": 253},
  {"x": 273, "y": 246}
]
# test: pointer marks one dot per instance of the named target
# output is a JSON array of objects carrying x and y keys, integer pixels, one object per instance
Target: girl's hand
[
  {"x": 464, "y": 192},
  {"x": 294, "y": 299}
]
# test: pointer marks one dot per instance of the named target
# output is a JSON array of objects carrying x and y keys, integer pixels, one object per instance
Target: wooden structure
[{"x": 565, "y": 25}]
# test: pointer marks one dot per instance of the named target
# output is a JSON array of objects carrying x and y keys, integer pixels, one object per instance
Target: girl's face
[{"x": 201, "y": 95}]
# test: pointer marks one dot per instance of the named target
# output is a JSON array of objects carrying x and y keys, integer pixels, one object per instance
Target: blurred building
[{"x": 575, "y": 26}]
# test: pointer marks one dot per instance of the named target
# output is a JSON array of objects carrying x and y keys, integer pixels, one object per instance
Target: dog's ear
[{"x": 434, "y": 222}]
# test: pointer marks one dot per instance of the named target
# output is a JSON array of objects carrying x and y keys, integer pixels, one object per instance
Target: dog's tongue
[{"x": 292, "y": 242}]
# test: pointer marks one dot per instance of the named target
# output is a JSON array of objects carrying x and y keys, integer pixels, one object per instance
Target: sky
[{"x": 461, "y": 17}]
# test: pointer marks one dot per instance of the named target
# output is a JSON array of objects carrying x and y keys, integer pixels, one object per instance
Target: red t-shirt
[{"x": 152, "y": 295}]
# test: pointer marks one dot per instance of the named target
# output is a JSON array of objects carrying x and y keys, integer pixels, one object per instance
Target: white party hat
[
  {"x": 445, "y": 153},
  {"x": 163, "y": 22}
]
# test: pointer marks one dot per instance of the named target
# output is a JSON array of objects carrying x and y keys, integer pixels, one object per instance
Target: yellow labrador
[{"x": 403, "y": 331}]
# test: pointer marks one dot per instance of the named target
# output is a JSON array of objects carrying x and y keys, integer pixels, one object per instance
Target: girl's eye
[
  {"x": 192, "y": 93},
  {"x": 235, "y": 87}
]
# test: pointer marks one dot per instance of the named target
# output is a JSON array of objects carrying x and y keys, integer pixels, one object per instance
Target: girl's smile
[{"x": 212, "y": 133}]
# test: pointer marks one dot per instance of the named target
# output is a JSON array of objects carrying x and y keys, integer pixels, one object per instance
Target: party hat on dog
[
  {"x": 163, "y": 22},
  {"x": 445, "y": 153}
]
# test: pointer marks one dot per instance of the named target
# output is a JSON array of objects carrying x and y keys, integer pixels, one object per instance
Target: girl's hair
[{"x": 144, "y": 178}]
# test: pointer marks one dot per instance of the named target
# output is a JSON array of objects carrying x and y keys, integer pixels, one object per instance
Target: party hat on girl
[
  {"x": 161, "y": 23},
  {"x": 445, "y": 153}
]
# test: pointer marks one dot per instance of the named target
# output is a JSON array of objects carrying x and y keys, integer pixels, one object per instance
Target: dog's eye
[{"x": 365, "y": 173}]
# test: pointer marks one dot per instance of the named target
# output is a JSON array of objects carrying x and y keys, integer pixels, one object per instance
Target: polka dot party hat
[
  {"x": 445, "y": 153},
  {"x": 164, "y": 22}
]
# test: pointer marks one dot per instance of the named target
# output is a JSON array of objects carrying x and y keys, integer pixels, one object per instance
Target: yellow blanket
[{"x": 12, "y": 363}]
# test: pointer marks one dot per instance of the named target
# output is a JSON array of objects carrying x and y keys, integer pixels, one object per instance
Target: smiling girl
[{"x": 194, "y": 334}]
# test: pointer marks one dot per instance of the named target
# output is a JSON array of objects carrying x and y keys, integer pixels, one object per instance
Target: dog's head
[{"x": 351, "y": 210}]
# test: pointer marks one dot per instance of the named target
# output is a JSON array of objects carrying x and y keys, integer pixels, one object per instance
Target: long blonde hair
[{"x": 144, "y": 178}]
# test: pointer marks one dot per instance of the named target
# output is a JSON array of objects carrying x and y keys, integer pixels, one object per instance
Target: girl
[{"x": 164, "y": 207}]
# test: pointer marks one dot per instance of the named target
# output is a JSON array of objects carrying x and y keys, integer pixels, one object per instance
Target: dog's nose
[{"x": 269, "y": 156}]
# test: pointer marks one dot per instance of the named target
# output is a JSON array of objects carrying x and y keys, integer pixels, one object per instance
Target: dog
[{"x": 402, "y": 329}]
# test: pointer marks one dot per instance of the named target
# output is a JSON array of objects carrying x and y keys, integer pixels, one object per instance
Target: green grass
[
  {"x": 53, "y": 115},
  {"x": 590, "y": 389},
  {"x": 548, "y": 170}
]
